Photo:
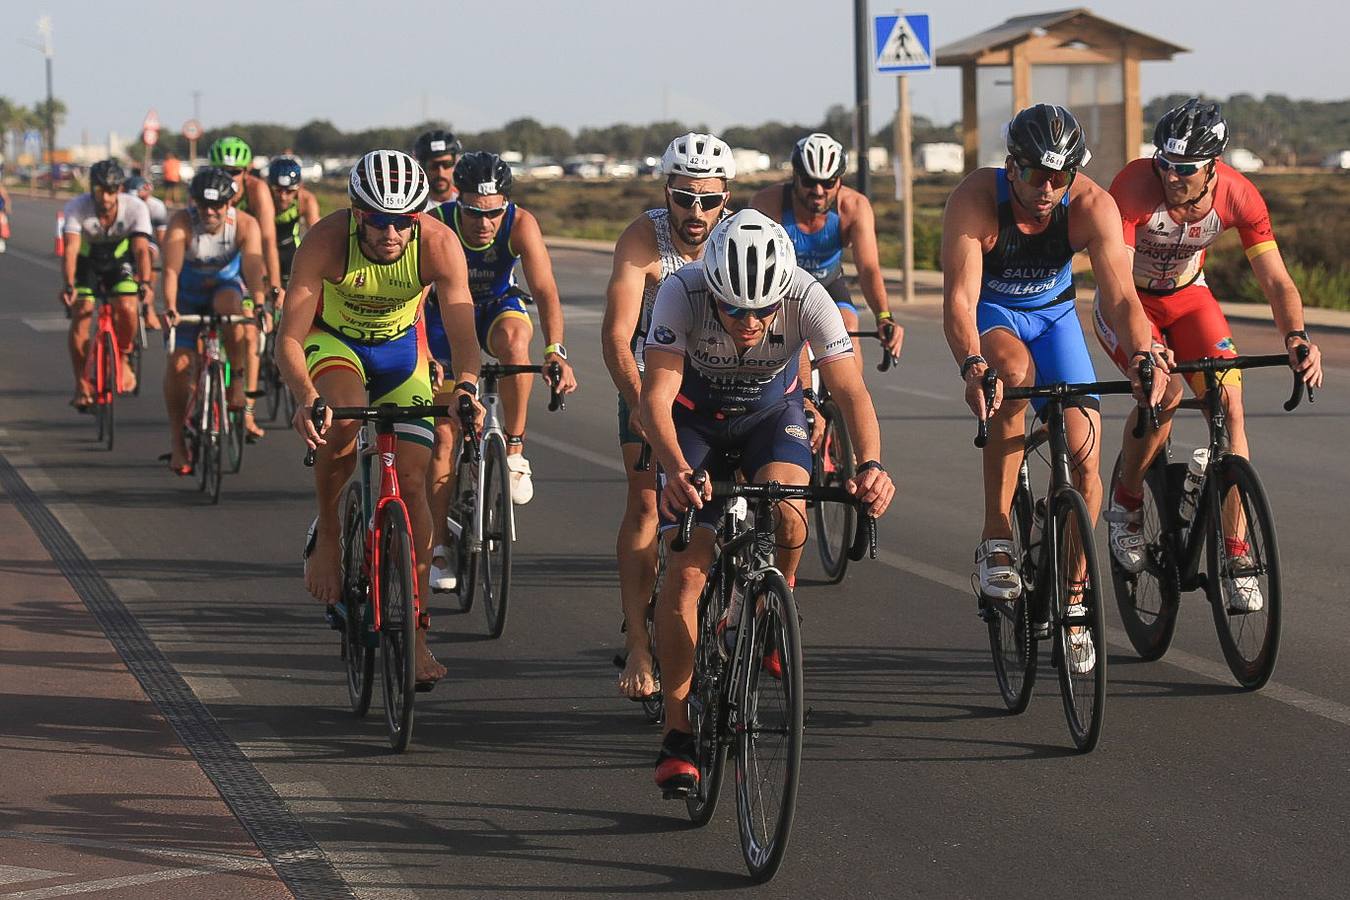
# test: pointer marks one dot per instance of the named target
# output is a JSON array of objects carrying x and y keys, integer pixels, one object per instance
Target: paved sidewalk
[{"x": 97, "y": 796}]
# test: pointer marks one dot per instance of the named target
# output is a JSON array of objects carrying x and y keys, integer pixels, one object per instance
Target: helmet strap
[{"x": 1195, "y": 201}]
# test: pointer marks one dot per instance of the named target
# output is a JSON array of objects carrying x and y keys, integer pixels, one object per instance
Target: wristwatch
[
  {"x": 468, "y": 387},
  {"x": 1297, "y": 333},
  {"x": 557, "y": 349},
  {"x": 973, "y": 360}
]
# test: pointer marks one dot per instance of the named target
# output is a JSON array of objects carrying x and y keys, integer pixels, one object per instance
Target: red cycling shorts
[{"x": 1189, "y": 322}]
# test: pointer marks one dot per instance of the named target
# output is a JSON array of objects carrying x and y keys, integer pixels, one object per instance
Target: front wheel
[
  {"x": 1080, "y": 623},
  {"x": 1243, "y": 581},
  {"x": 108, "y": 380},
  {"x": 358, "y": 649},
  {"x": 1148, "y": 601},
  {"x": 398, "y": 623},
  {"x": 215, "y": 436},
  {"x": 497, "y": 534},
  {"x": 769, "y": 727},
  {"x": 234, "y": 439},
  {"x": 833, "y": 466},
  {"x": 1010, "y": 639}
]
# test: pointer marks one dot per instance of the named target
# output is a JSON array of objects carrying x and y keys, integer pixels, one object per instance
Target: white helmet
[
  {"x": 749, "y": 261},
  {"x": 388, "y": 181},
  {"x": 819, "y": 156},
  {"x": 698, "y": 155}
]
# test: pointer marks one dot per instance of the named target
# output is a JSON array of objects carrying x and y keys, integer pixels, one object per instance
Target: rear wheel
[
  {"x": 1080, "y": 623},
  {"x": 1149, "y": 600},
  {"x": 707, "y": 713},
  {"x": 358, "y": 647},
  {"x": 833, "y": 466},
  {"x": 497, "y": 534},
  {"x": 109, "y": 378},
  {"x": 769, "y": 727},
  {"x": 1244, "y": 563},
  {"x": 214, "y": 450},
  {"x": 1010, "y": 639},
  {"x": 462, "y": 511},
  {"x": 234, "y": 439},
  {"x": 398, "y": 624},
  {"x": 653, "y": 706}
]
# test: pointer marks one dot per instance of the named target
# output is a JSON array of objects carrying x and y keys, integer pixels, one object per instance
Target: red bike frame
[
  {"x": 93, "y": 357},
  {"x": 386, "y": 443}
]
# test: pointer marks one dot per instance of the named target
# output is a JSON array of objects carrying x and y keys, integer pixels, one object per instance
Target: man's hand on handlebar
[
  {"x": 872, "y": 486},
  {"x": 567, "y": 383},
  {"x": 1310, "y": 368},
  {"x": 680, "y": 493},
  {"x": 1162, "y": 360},
  {"x": 975, "y": 398},
  {"x": 303, "y": 423},
  {"x": 892, "y": 336}
]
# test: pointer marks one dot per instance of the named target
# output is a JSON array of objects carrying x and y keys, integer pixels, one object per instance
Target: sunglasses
[
  {"x": 812, "y": 183},
  {"x": 436, "y": 165},
  {"x": 1038, "y": 175},
  {"x": 211, "y": 204},
  {"x": 738, "y": 312},
  {"x": 380, "y": 220},
  {"x": 480, "y": 212},
  {"x": 1183, "y": 169},
  {"x": 706, "y": 202},
  {"x": 232, "y": 172}
]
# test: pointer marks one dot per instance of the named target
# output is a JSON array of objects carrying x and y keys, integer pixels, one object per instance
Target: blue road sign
[{"x": 903, "y": 43}]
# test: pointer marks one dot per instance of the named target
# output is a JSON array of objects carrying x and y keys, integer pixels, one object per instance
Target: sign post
[
  {"x": 904, "y": 44},
  {"x": 149, "y": 137},
  {"x": 192, "y": 130}
]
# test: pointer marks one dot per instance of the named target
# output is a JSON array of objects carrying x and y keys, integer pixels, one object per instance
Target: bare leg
[
  {"x": 676, "y": 620},
  {"x": 333, "y": 466},
  {"x": 81, "y": 314},
  {"x": 635, "y": 549},
  {"x": 509, "y": 341},
  {"x": 792, "y": 517},
  {"x": 177, "y": 387}
]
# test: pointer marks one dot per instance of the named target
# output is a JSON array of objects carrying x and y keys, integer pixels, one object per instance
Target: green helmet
[{"x": 231, "y": 152}]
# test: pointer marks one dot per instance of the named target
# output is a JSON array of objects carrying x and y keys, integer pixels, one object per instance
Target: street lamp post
[{"x": 44, "y": 25}]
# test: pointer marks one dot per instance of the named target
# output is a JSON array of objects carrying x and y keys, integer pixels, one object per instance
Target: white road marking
[
  {"x": 919, "y": 392},
  {"x": 18, "y": 874},
  {"x": 197, "y": 856},
  {"x": 108, "y": 884},
  {"x": 46, "y": 262},
  {"x": 47, "y": 323}
]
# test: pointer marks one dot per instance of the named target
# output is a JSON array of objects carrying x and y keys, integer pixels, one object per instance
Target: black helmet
[
  {"x": 212, "y": 185},
  {"x": 481, "y": 172},
  {"x": 284, "y": 172},
  {"x": 436, "y": 142},
  {"x": 106, "y": 174},
  {"x": 1194, "y": 130},
  {"x": 134, "y": 184},
  {"x": 1049, "y": 137}
]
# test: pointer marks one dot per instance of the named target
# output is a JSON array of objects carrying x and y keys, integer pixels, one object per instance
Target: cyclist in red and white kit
[{"x": 1174, "y": 206}]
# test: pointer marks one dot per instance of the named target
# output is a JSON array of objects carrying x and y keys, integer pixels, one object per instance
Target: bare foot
[
  {"x": 128, "y": 376},
  {"x": 637, "y": 680},
  {"x": 428, "y": 669},
  {"x": 323, "y": 578},
  {"x": 179, "y": 462},
  {"x": 251, "y": 427}
]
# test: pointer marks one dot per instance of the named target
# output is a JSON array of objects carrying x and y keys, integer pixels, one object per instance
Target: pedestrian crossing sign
[{"x": 903, "y": 43}]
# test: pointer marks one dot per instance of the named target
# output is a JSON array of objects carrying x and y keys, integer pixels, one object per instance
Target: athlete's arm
[
  {"x": 528, "y": 241},
  {"x": 443, "y": 264},
  {"x": 1287, "y": 306},
  {"x": 261, "y": 199},
  {"x": 840, "y": 374},
  {"x": 661, "y": 381},
  {"x": 309, "y": 209},
  {"x": 174, "y": 249},
  {"x": 862, "y": 237},
  {"x": 966, "y": 225},
  {"x": 70, "y": 257},
  {"x": 635, "y": 261},
  {"x": 250, "y": 248}
]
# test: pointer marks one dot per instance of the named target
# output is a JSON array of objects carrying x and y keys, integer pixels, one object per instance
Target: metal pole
[
  {"x": 861, "y": 124},
  {"x": 51, "y": 123},
  {"x": 904, "y": 186}
]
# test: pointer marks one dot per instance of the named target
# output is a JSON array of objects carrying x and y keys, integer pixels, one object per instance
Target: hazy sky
[{"x": 583, "y": 62}]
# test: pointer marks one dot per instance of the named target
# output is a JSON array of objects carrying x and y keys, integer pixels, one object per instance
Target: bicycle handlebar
[
  {"x": 387, "y": 412},
  {"x": 551, "y": 372},
  {"x": 1222, "y": 364},
  {"x": 1146, "y": 373},
  {"x": 644, "y": 460},
  {"x": 988, "y": 384},
  {"x": 888, "y": 359}
]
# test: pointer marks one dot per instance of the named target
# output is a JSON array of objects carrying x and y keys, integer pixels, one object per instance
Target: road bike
[
  {"x": 271, "y": 386},
  {"x": 747, "y": 693},
  {"x": 103, "y": 366},
  {"x": 212, "y": 431},
  {"x": 481, "y": 518},
  {"x": 1229, "y": 526},
  {"x": 1056, "y": 557}
]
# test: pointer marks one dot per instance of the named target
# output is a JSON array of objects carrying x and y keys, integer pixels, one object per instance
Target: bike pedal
[
  {"x": 424, "y": 621},
  {"x": 676, "y": 793}
]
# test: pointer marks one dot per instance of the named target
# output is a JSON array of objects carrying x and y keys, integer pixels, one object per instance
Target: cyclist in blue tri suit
[
  {"x": 438, "y": 150},
  {"x": 495, "y": 233},
  {"x": 1008, "y": 239}
]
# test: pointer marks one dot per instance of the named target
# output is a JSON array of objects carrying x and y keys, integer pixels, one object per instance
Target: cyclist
[
  {"x": 4, "y": 207},
  {"x": 297, "y": 209},
  {"x": 823, "y": 216},
  {"x": 106, "y": 250},
  {"x": 494, "y": 232},
  {"x": 159, "y": 213},
  {"x": 438, "y": 150},
  {"x": 353, "y": 334},
  {"x": 1009, "y": 235},
  {"x": 211, "y": 249},
  {"x": 234, "y": 156},
  {"x": 721, "y": 378},
  {"x": 698, "y": 168},
  {"x": 1174, "y": 206}
]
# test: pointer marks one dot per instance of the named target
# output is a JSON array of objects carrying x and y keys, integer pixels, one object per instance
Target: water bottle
[{"x": 1190, "y": 489}]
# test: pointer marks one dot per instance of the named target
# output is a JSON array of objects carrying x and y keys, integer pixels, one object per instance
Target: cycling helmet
[
  {"x": 106, "y": 174},
  {"x": 1049, "y": 137},
  {"x": 819, "y": 156},
  {"x": 134, "y": 184},
  {"x": 388, "y": 181},
  {"x": 1194, "y": 130},
  {"x": 436, "y": 142},
  {"x": 212, "y": 185},
  {"x": 231, "y": 152},
  {"x": 698, "y": 156},
  {"x": 481, "y": 172},
  {"x": 749, "y": 261},
  {"x": 284, "y": 172}
]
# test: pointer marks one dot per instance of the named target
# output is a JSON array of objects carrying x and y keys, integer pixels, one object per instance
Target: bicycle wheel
[
  {"x": 497, "y": 534},
  {"x": 358, "y": 650},
  {"x": 1075, "y": 571},
  {"x": 398, "y": 624},
  {"x": 653, "y": 706},
  {"x": 833, "y": 466},
  {"x": 770, "y": 717},
  {"x": 462, "y": 512},
  {"x": 707, "y": 711},
  {"x": 1148, "y": 601},
  {"x": 136, "y": 359},
  {"x": 108, "y": 381},
  {"x": 215, "y": 434},
  {"x": 234, "y": 439},
  {"x": 1010, "y": 639},
  {"x": 1242, "y": 556}
]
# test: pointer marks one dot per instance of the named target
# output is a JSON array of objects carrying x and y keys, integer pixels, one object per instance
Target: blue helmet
[{"x": 284, "y": 172}]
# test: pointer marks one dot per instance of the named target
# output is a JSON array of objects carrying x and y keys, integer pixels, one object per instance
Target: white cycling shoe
[
  {"x": 1125, "y": 533},
  {"x": 522, "y": 485},
  {"x": 1082, "y": 656},
  {"x": 443, "y": 580},
  {"x": 1244, "y": 591},
  {"x": 998, "y": 582}
]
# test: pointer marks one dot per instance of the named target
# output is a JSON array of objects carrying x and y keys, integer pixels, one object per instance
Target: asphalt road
[{"x": 528, "y": 776}]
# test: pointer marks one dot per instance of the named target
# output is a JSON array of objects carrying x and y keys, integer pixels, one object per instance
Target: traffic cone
[
  {"x": 4, "y": 227},
  {"x": 61, "y": 234}
]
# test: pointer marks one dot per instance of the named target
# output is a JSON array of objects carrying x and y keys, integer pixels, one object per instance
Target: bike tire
[
  {"x": 498, "y": 535},
  {"x": 707, "y": 706},
  {"x": 109, "y": 376},
  {"x": 215, "y": 433},
  {"x": 1149, "y": 600},
  {"x": 358, "y": 650},
  {"x": 234, "y": 439},
  {"x": 832, "y": 466},
  {"x": 1084, "y": 694},
  {"x": 462, "y": 509},
  {"x": 653, "y": 705},
  {"x": 1251, "y": 640},
  {"x": 1010, "y": 633},
  {"x": 768, "y": 705},
  {"x": 398, "y": 624},
  {"x": 137, "y": 358}
]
